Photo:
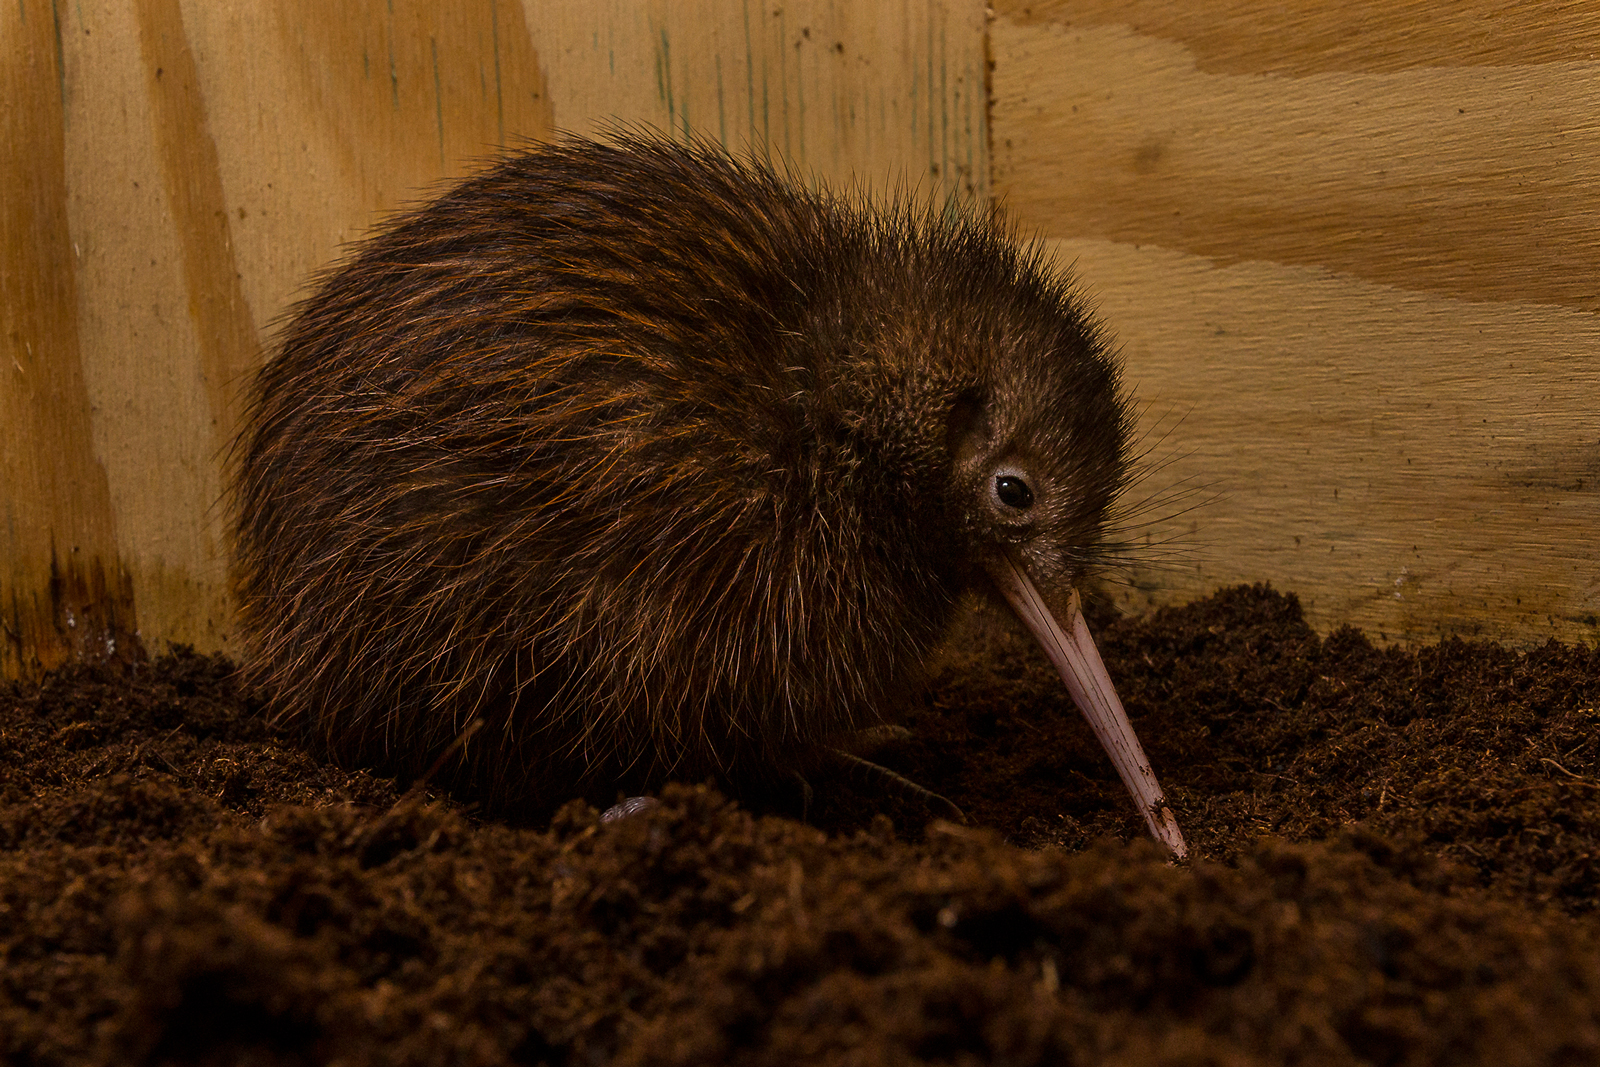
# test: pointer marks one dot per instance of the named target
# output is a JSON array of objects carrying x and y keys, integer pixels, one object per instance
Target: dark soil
[{"x": 1398, "y": 863}]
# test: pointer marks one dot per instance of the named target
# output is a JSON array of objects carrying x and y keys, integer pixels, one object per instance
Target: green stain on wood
[
  {"x": 394, "y": 73},
  {"x": 499, "y": 100},
  {"x": 783, "y": 73},
  {"x": 61, "y": 61},
  {"x": 687, "y": 136},
  {"x": 722, "y": 117},
  {"x": 665, "y": 90},
  {"x": 664, "y": 76},
  {"x": 944, "y": 110},
  {"x": 766, "y": 109},
  {"x": 800, "y": 101},
  {"x": 973, "y": 150},
  {"x": 438, "y": 97},
  {"x": 928, "y": 52},
  {"x": 915, "y": 94},
  {"x": 749, "y": 70}
]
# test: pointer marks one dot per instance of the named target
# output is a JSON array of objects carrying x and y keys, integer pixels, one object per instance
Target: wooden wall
[
  {"x": 1352, "y": 250},
  {"x": 1349, "y": 248},
  {"x": 175, "y": 169}
]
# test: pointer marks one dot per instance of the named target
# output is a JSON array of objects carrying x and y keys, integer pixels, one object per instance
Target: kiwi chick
[{"x": 650, "y": 463}]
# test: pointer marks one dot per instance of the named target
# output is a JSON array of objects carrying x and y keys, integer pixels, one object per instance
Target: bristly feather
[{"x": 644, "y": 456}]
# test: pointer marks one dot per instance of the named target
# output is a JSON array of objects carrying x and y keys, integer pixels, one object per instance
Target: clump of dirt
[
  {"x": 1396, "y": 863},
  {"x": 1464, "y": 751}
]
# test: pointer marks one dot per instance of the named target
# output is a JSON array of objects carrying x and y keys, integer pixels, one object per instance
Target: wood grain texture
[
  {"x": 886, "y": 95},
  {"x": 178, "y": 170},
  {"x": 1351, "y": 253},
  {"x": 63, "y": 590},
  {"x": 214, "y": 156}
]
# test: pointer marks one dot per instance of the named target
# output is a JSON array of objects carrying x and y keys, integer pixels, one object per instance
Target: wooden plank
[
  {"x": 1349, "y": 250},
  {"x": 201, "y": 160},
  {"x": 885, "y": 94},
  {"x": 63, "y": 591},
  {"x": 214, "y": 156}
]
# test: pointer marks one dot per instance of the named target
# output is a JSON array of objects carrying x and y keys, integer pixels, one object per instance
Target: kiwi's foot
[
  {"x": 868, "y": 743},
  {"x": 862, "y": 772},
  {"x": 628, "y": 806}
]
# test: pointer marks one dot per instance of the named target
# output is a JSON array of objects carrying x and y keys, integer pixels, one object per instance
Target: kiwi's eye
[{"x": 1013, "y": 492}]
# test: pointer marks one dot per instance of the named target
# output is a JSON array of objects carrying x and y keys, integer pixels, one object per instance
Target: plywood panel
[
  {"x": 1350, "y": 250},
  {"x": 884, "y": 94},
  {"x": 59, "y": 572},
  {"x": 214, "y": 155},
  {"x": 181, "y": 167}
]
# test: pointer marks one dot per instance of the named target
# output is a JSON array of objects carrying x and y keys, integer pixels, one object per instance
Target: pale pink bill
[{"x": 1073, "y": 652}]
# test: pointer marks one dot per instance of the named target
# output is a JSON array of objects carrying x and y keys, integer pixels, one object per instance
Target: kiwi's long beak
[{"x": 1072, "y": 650}]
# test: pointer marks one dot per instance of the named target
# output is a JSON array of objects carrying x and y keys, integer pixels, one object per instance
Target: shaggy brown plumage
[{"x": 656, "y": 463}]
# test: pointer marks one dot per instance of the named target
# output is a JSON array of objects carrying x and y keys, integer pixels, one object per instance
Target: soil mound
[{"x": 1398, "y": 862}]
